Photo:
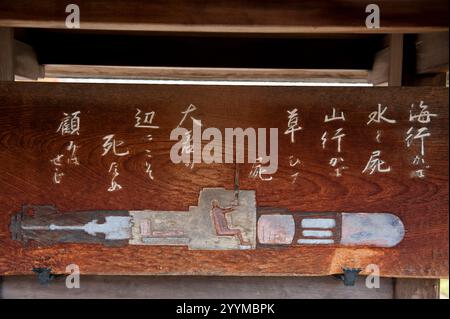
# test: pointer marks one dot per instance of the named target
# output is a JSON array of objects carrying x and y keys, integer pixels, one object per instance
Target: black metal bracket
[
  {"x": 349, "y": 276},
  {"x": 44, "y": 275}
]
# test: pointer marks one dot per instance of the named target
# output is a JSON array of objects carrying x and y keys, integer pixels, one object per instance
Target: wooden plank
[
  {"x": 26, "y": 176},
  {"x": 432, "y": 53},
  {"x": 412, "y": 288},
  {"x": 232, "y": 16},
  {"x": 181, "y": 287},
  {"x": 210, "y": 74},
  {"x": 6, "y": 54}
]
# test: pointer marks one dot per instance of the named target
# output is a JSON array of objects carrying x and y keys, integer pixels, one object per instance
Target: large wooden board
[{"x": 31, "y": 114}]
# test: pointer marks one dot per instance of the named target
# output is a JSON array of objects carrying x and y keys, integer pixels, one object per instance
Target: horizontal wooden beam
[
  {"x": 231, "y": 16},
  {"x": 180, "y": 287},
  {"x": 210, "y": 74},
  {"x": 72, "y": 180}
]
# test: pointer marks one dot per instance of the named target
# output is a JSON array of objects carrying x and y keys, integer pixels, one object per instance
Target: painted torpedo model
[{"x": 218, "y": 222}]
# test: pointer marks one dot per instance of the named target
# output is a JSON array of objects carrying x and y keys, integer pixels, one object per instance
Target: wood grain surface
[
  {"x": 7, "y": 54},
  {"x": 231, "y": 15},
  {"x": 30, "y": 114},
  {"x": 198, "y": 287}
]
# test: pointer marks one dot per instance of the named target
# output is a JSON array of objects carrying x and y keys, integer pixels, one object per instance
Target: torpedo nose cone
[{"x": 373, "y": 229}]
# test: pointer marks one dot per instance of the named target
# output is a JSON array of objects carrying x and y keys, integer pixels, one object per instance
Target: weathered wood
[
  {"x": 26, "y": 64},
  {"x": 379, "y": 74},
  {"x": 432, "y": 79},
  {"x": 411, "y": 75},
  {"x": 406, "y": 288},
  {"x": 412, "y": 288},
  {"x": 179, "y": 287},
  {"x": 395, "y": 59},
  {"x": 432, "y": 53},
  {"x": 6, "y": 65},
  {"x": 31, "y": 114},
  {"x": 388, "y": 63},
  {"x": 210, "y": 74},
  {"x": 231, "y": 16},
  {"x": 6, "y": 54}
]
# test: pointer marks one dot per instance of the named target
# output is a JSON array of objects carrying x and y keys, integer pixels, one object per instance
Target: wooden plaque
[{"x": 155, "y": 179}]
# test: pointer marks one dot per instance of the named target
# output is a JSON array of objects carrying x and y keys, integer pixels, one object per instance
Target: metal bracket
[
  {"x": 44, "y": 275},
  {"x": 349, "y": 276}
]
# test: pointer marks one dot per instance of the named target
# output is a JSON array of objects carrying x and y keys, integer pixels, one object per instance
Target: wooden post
[
  {"x": 387, "y": 65},
  {"x": 6, "y": 54},
  {"x": 6, "y": 69},
  {"x": 395, "y": 59}
]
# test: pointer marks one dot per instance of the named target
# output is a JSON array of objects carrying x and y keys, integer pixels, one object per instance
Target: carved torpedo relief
[{"x": 216, "y": 223}]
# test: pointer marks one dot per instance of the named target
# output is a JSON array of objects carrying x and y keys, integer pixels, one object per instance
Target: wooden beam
[
  {"x": 54, "y": 71},
  {"x": 231, "y": 16},
  {"x": 6, "y": 67},
  {"x": 196, "y": 287},
  {"x": 6, "y": 54},
  {"x": 27, "y": 176}
]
